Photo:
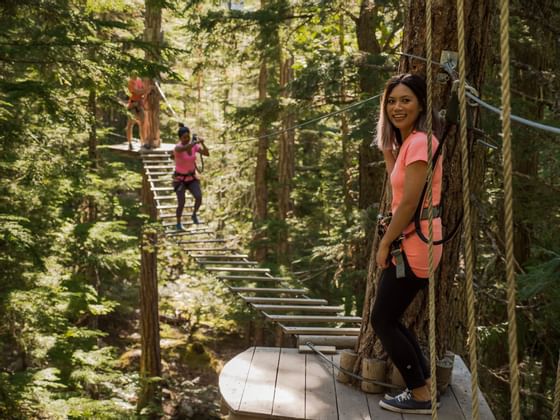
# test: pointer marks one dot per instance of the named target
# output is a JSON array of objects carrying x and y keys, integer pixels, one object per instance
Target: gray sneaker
[{"x": 404, "y": 403}]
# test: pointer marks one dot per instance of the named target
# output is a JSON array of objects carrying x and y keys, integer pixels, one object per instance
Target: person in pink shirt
[
  {"x": 185, "y": 176},
  {"x": 401, "y": 136},
  {"x": 135, "y": 107}
]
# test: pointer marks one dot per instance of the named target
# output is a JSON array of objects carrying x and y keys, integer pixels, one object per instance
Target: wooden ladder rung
[
  {"x": 158, "y": 167},
  {"x": 171, "y": 206},
  {"x": 204, "y": 262},
  {"x": 198, "y": 249},
  {"x": 162, "y": 188},
  {"x": 320, "y": 330},
  {"x": 239, "y": 269},
  {"x": 314, "y": 318},
  {"x": 253, "y": 278},
  {"x": 165, "y": 197},
  {"x": 163, "y": 159},
  {"x": 189, "y": 232},
  {"x": 202, "y": 241},
  {"x": 328, "y": 340},
  {"x": 297, "y": 308},
  {"x": 267, "y": 290},
  {"x": 288, "y": 301},
  {"x": 220, "y": 256}
]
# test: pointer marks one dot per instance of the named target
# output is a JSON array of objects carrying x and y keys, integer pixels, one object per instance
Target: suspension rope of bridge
[
  {"x": 431, "y": 277},
  {"x": 467, "y": 224},
  {"x": 311, "y": 121},
  {"x": 508, "y": 208}
]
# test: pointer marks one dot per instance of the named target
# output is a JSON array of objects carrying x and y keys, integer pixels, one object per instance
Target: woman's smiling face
[{"x": 403, "y": 109}]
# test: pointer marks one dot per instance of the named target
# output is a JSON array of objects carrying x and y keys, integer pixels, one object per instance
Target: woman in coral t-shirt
[
  {"x": 401, "y": 135},
  {"x": 185, "y": 177}
]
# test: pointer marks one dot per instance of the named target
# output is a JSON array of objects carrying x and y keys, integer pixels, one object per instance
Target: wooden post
[
  {"x": 347, "y": 360},
  {"x": 373, "y": 369}
]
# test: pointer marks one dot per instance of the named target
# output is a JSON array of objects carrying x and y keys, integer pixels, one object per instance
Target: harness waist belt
[
  {"x": 436, "y": 212},
  {"x": 176, "y": 174},
  {"x": 396, "y": 250}
]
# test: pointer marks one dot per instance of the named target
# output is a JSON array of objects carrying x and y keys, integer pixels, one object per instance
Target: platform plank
[
  {"x": 320, "y": 391},
  {"x": 289, "y": 397},
  {"x": 259, "y": 389},
  {"x": 233, "y": 378},
  {"x": 461, "y": 387},
  {"x": 350, "y": 404},
  {"x": 297, "y": 378}
]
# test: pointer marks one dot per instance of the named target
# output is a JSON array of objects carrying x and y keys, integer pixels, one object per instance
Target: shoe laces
[{"x": 404, "y": 396}]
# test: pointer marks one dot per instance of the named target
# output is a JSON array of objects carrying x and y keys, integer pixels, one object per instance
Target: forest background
[{"x": 70, "y": 214}]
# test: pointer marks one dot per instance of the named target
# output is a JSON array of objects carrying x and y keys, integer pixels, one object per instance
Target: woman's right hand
[{"x": 382, "y": 256}]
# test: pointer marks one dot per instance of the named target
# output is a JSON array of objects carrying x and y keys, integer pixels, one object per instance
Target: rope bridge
[{"x": 274, "y": 297}]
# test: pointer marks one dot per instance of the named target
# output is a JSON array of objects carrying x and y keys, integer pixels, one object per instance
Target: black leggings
[
  {"x": 180, "y": 189},
  {"x": 392, "y": 297}
]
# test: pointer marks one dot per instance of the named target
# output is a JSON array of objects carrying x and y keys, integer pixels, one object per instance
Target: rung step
[
  {"x": 173, "y": 223},
  {"x": 320, "y": 330},
  {"x": 150, "y": 173},
  {"x": 314, "y": 318},
  {"x": 155, "y": 155},
  {"x": 297, "y": 308},
  {"x": 323, "y": 349},
  {"x": 267, "y": 290},
  {"x": 227, "y": 262},
  {"x": 329, "y": 340},
  {"x": 220, "y": 256},
  {"x": 254, "y": 278},
  {"x": 288, "y": 301},
  {"x": 188, "y": 232},
  {"x": 162, "y": 188},
  {"x": 159, "y": 180},
  {"x": 171, "y": 206},
  {"x": 165, "y": 197},
  {"x": 239, "y": 269},
  {"x": 197, "y": 249},
  {"x": 203, "y": 241},
  {"x": 159, "y": 167},
  {"x": 158, "y": 161}
]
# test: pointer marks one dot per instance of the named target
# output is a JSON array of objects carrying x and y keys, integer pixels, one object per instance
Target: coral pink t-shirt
[
  {"x": 414, "y": 149},
  {"x": 184, "y": 162}
]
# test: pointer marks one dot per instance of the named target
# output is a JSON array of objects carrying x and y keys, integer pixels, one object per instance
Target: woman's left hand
[{"x": 382, "y": 256}]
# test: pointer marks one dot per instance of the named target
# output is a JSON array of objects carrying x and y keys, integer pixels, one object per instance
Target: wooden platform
[
  {"x": 280, "y": 383},
  {"x": 136, "y": 151}
]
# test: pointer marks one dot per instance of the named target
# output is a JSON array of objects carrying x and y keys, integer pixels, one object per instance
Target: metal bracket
[{"x": 449, "y": 59}]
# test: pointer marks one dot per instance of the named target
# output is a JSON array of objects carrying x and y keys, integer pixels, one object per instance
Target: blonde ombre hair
[{"x": 387, "y": 136}]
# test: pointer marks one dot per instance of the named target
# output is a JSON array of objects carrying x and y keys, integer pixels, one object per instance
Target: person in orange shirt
[
  {"x": 403, "y": 256},
  {"x": 135, "y": 108}
]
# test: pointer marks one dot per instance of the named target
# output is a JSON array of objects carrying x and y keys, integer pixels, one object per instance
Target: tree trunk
[
  {"x": 448, "y": 314},
  {"x": 371, "y": 175},
  {"x": 153, "y": 36},
  {"x": 261, "y": 186},
  {"x": 344, "y": 131},
  {"x": 285, "y": 162},
  {"x": 150, "y": 361},
  {"x": 92, "y": 143}
]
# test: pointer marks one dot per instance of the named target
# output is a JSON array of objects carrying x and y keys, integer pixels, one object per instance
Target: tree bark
[
  {"x": 285, "y": 162},
  {"x": 370, "y": 175},
  {"x": 449, "y": 316},
  {"x": 261, "y": 185},
  {"x": 150, "y": 362},
  {"x": 153, "y": 36}
]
